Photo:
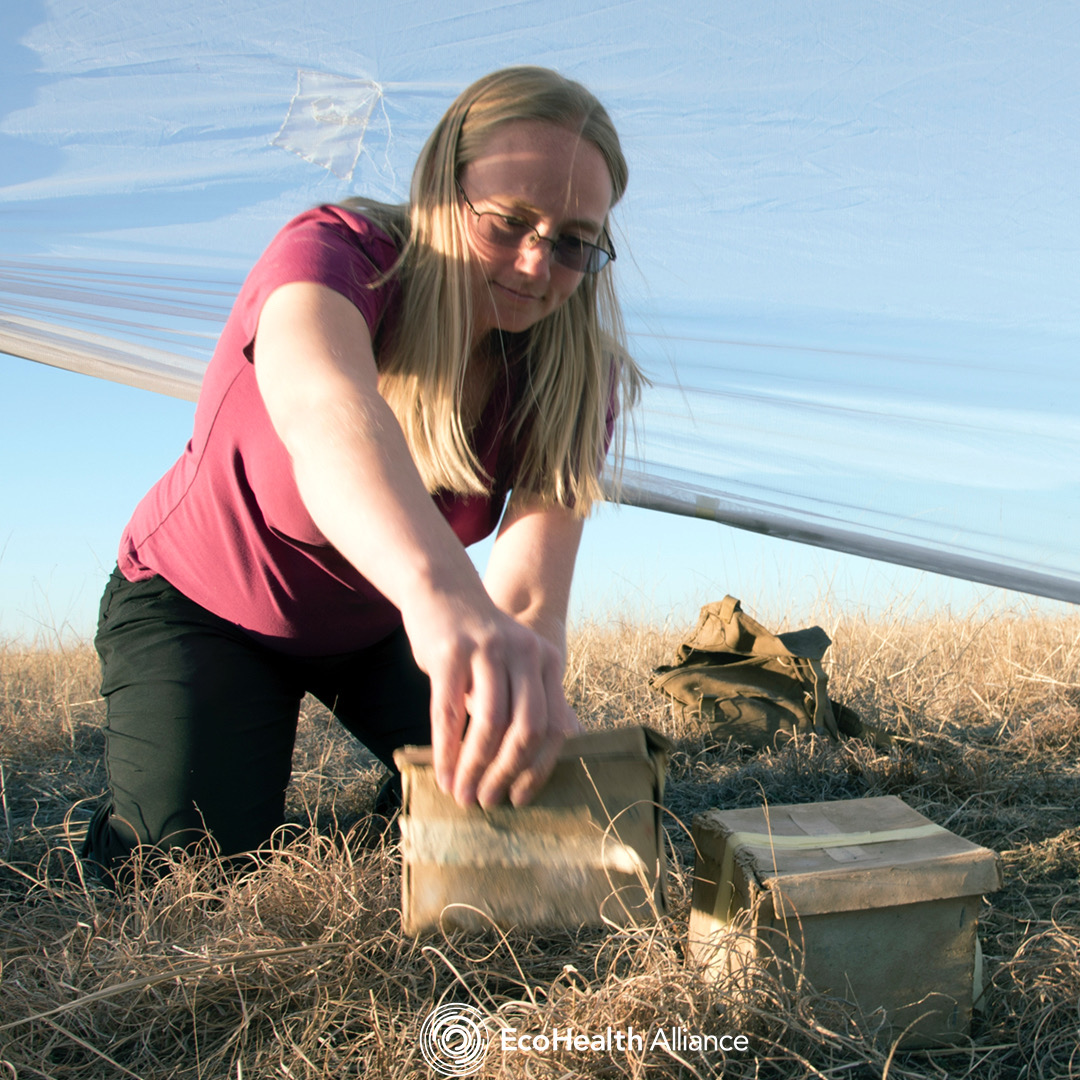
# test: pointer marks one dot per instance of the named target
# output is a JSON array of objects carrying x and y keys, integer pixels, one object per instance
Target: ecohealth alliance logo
[{"x": 454, "y": 1040}]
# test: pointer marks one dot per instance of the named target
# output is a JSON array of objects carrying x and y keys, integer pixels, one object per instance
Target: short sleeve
[{"x": 328, "y": 246}]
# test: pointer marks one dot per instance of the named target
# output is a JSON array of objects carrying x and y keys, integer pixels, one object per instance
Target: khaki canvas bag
[{"x": 753, "y": 686}]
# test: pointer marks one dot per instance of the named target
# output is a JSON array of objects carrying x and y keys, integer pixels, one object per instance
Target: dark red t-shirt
[{"x": 226, "y": 524}]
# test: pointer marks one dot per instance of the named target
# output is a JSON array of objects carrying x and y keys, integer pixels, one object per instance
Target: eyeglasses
[{"x": 505, "y": 230}]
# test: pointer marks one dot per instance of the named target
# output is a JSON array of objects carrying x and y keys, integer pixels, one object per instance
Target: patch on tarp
[{"x": 333, "y": 121}]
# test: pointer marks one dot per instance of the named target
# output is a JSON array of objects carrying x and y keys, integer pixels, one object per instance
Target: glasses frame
[{"x": 593, "y": 251}]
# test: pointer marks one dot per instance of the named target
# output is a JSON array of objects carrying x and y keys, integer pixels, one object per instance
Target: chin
[
  {"x": 516, "y": 325},
  {"x": 512, "y": 322}
]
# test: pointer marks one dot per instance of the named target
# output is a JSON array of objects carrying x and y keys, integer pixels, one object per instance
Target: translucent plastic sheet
[
  {"x": 332, "y": 121},
  {"x": 847, "y": 254}
]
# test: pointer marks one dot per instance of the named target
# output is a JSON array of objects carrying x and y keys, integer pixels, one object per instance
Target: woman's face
[{"x": 550, "y": 178}]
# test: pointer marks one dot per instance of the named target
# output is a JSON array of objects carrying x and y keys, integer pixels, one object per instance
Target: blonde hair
[{"x": 571, "y": 356}]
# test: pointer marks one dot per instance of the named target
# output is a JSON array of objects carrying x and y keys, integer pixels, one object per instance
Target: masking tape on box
[
  {"x": 477, "y": 843},
  {"x": 725, "y": 892}
]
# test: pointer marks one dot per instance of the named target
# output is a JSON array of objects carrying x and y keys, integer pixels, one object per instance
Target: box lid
[
  {"x": 636, "y": 741},
  {"x": 846, "y": 855}
]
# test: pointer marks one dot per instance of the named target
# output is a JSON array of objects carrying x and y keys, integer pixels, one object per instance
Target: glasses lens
[
  {"x": 496, "y": 229},
  {"x": 569, "y": 251},
  {"x": 579, "y": 255}
]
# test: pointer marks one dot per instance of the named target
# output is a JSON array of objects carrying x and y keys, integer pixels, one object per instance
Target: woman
[{"x": 387, "y": 376}]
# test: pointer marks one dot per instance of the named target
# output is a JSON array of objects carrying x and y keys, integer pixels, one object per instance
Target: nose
[{"x": 534, "y": 256}]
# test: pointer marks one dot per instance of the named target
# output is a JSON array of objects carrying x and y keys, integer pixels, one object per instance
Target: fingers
[
  {"x": 518, "y": 719},
  {"x": 532, "y": 778},
  {"x": 488, "y": 707},
  {"x": 448, "y": 717},
  {"x": 529, "y": 728},
  {"x": 538, "y": 722}
]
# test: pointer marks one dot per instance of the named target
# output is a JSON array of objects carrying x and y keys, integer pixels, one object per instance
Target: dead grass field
[{"x": 298, "y": 969}]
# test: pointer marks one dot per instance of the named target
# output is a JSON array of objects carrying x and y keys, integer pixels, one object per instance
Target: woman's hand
[
  {"x": 494, "y": 655},
  {"x": 505, "y": 681}
]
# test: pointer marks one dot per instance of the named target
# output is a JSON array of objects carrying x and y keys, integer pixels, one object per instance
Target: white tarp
[{"x": 848, "y": 252}]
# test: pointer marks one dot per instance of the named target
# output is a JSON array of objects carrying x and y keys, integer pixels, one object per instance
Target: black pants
[{"x": 201, "y": 720}]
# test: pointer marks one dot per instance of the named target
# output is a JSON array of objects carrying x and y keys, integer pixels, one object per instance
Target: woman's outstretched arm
[
  {"x": 528, "y": 576},
  {"x": 317, "y": 376}
]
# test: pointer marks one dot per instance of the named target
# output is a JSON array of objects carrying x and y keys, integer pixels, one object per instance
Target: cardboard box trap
[
  {"x": 875, "y": 903},
  {"x": 587, "y": 850}
]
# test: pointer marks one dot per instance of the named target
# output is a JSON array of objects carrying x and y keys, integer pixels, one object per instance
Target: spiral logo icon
[{"x": 453, "y": 1040}]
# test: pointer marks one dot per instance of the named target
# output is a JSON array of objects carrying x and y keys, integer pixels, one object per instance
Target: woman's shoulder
[
  {"x": 351, "y": 225},
  {"x": 339, "y": 247}
]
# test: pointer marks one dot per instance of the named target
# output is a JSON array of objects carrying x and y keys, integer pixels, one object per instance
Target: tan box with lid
[
  {"x": 587, "y": 850},
  {"x": 874, "y": 902}
]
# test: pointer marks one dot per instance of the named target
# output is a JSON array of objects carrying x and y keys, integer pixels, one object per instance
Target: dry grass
[{"x": 297, "y": 968}]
